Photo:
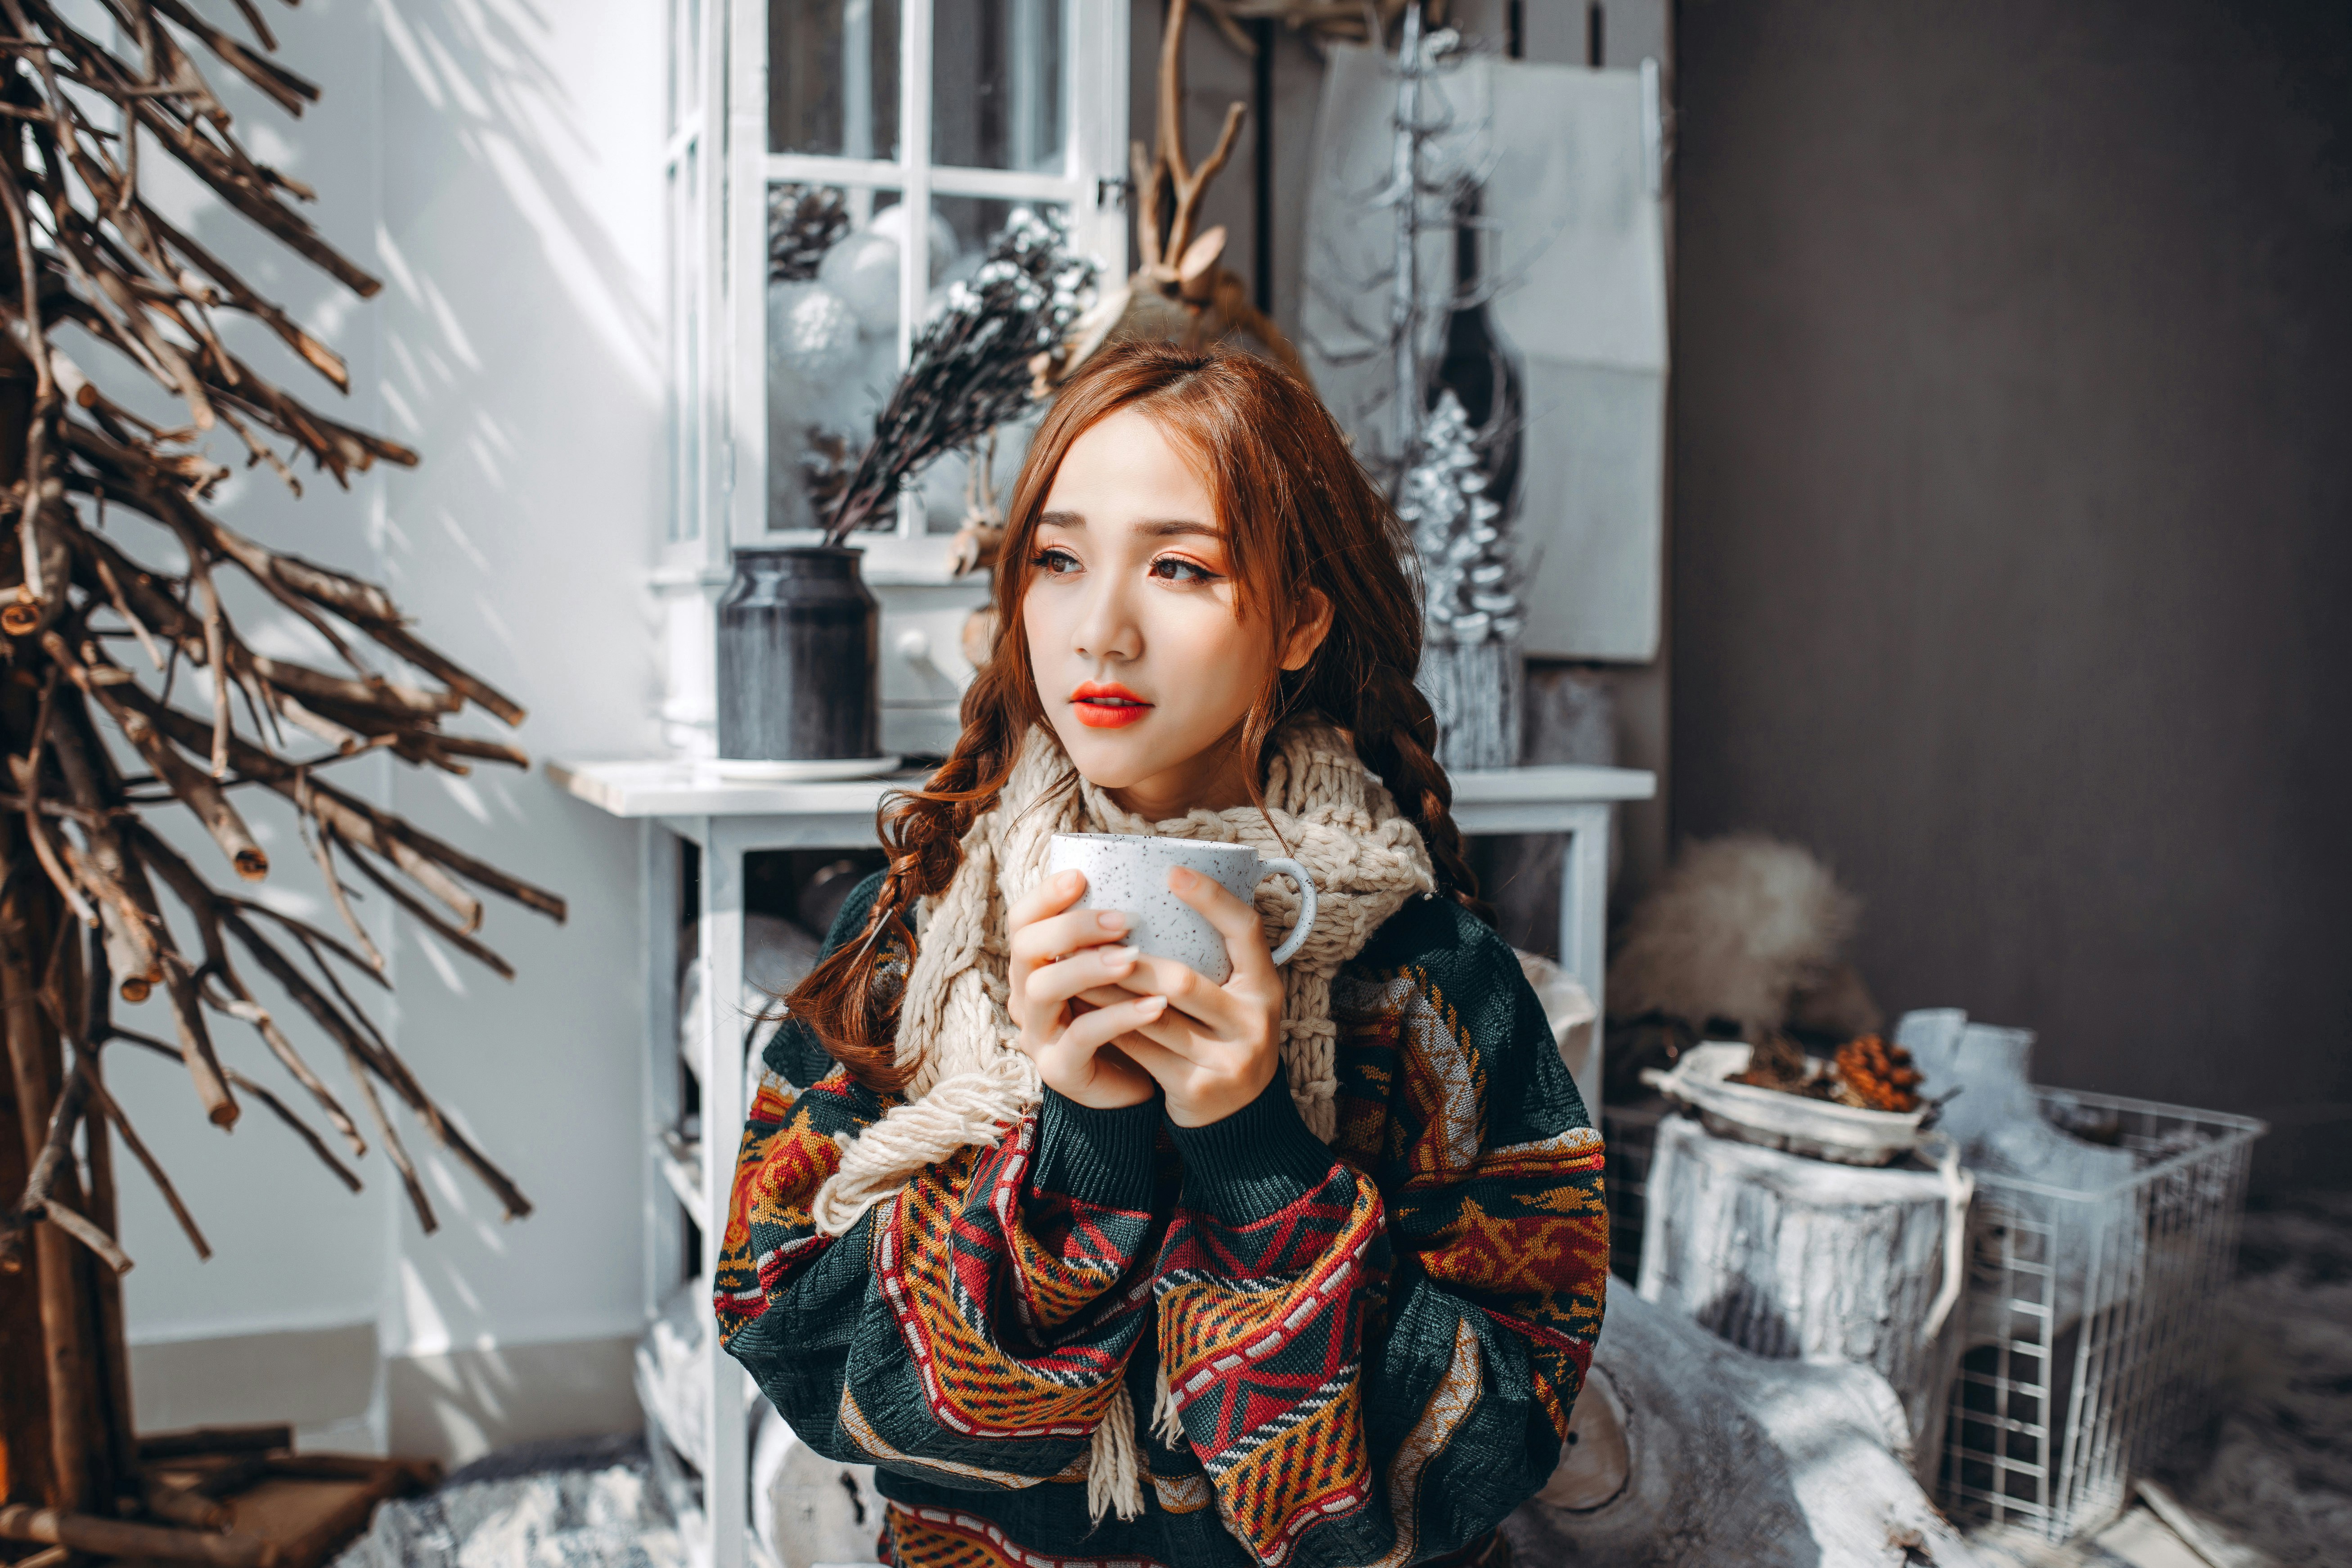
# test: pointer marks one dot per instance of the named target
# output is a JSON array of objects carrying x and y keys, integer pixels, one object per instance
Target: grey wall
[{"x": 2013, "y": 525}]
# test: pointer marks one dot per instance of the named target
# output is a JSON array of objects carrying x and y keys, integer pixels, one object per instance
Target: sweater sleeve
[
  {"x": 1374, "y": 1347},
  {"x": 971, "y": 1330}
]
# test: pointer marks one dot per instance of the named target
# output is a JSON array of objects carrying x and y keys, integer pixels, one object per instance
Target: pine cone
[
  {"x": 1875, "y": 1076},
  {"x": 1778, "y": 1062}
]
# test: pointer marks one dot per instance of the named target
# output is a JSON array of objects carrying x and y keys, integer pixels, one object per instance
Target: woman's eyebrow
[
  {"x": 1163, "y": 528},
  {"x": 1061, "y": 520}
]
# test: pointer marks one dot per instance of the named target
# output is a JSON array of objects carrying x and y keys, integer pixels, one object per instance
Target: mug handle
[{"x": 1296, "y": 873}]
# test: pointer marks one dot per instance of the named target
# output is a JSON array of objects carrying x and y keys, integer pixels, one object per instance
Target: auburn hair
[{"x": 1298, "y": 511}]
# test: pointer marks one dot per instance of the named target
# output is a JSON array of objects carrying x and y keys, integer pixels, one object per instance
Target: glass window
[
  {"x": 1004, "y": 118},
  {"x": 996, "y": 84},
  {"x": 833, "y": 337},
  {"x": 832, "y": 78}
]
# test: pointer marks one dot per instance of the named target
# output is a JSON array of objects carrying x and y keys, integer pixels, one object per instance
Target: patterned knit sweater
[{"x": 1373, "y": 1346}]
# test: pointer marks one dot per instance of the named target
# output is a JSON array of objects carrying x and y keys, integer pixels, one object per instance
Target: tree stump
[{"x": 1790, "y": 1257}]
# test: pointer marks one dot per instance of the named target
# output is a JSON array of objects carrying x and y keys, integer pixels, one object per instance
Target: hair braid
[
  {"x": 1396, "y": 734},
  {"x": 850, "y": 1000}
]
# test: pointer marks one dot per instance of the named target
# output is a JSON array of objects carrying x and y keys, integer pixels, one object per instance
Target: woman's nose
[{"x": 1107, "y": 629}]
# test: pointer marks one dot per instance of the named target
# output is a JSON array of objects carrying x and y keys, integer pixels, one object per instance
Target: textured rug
[
  {"x": 577, "y": 1504},
  {"x": 2277, "y": 1469}
]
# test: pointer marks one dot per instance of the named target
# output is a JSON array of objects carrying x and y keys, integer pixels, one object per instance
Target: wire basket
[
  {"x": 2092, "y": 1314},
  {"x": 1630, "y": 1133}
]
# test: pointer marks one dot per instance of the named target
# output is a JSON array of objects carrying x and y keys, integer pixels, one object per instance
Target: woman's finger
[
  {"x": 1171, "y": 1071},
  {"x": 1085, "y": 974},
  {"x": 1235, "y": 922},
  {"x": 1188, "y": 990},
  {"x": 1090, "y": 1032},
  {"x": 1174, "y": 1033},
  {"x": 1050, "y": 896},
  {"x": 1051, "y": 937}
]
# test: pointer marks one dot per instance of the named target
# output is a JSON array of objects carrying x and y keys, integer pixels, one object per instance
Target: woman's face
[{"x": 1144, "y": 668}]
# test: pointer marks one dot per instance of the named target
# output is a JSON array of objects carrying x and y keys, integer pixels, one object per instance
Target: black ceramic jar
[{"x": 799, "y": 658}]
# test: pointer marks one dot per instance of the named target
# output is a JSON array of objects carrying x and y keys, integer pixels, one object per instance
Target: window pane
[
  {"x": 833, "y": 338},
  {"x": 996, "y": 84},
  {"x": 832, "y": 78}
]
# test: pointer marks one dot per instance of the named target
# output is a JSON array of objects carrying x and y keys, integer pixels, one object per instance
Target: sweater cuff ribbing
[
  {"x": 1099, "y": 1157},
  {"x": 1254, "y": 1162}
]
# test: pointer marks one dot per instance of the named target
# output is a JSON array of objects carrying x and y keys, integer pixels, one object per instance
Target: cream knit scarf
[{"x": 971, "y": 1082}]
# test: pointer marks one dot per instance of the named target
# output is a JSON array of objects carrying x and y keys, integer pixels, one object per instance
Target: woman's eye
[
  {"x": 1058, "y": 562},
  {"x": 1176, "y": 569}
]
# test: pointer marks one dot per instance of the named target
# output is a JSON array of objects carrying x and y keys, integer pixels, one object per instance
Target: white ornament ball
[
  {"x": 810, "y": 329},
  {"x": 892, "y": 221},
  {"x": 862, "y": 269}
]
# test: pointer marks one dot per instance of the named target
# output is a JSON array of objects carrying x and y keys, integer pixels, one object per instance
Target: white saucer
[{"x": 741, "y": 771}]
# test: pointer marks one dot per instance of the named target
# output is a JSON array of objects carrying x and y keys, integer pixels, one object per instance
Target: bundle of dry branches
[{"x": 100, "y": 626}]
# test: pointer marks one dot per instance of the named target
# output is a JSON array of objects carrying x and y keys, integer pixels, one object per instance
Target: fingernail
[
  {"x": 1068, "y": 881},
  {"x": 1154, "y": 1005},
  {"x": 1121, "y": 954},
  {"x": 1112, "y": 919},
  {"x": 1181, "y": 878}
]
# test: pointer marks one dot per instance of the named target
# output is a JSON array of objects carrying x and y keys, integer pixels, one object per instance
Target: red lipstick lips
[{"x": 1107, "y": 705}]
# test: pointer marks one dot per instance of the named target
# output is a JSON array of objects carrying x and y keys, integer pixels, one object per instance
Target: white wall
[{"x": 498, "y": 163}]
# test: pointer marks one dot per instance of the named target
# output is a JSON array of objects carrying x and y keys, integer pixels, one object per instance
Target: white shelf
[
  {"x": 681, "y": 1167},
  {"x": 637, "y": 788}
]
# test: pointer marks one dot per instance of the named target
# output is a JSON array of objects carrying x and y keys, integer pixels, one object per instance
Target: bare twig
[{"x": 132, "y": 1140}]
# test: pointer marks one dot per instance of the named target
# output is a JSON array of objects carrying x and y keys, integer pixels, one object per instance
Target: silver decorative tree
[{"x": 1471, "y": 669}]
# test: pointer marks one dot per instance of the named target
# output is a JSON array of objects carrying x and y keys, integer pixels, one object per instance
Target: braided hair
[{"x": 1299, "y": 513}]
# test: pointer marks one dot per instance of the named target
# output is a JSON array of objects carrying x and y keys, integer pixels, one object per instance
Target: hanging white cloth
[{"x": 1578, "y": 253}]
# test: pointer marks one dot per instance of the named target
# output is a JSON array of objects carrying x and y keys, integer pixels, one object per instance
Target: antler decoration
[
  {"x": 1178, "y": 291},
  {"x": 101, "y": 630}
]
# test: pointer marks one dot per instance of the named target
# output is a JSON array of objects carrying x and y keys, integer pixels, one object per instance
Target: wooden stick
[
  {"x": 65, "y": 1116},
  {"x": 441, "y": 668},
  {"x": 217, "y": 666},
  {"x": 87, "y": 1533},
  {"x": 205, "y": 904},
  {"x": 393, "y": 1149},
  {"x": 26, "y": 920},
  {"x": 34, "y": 828},
  {"x": 354, "y": 821},
  {"x": 110, "y": 1346},
  {"x": 261, "y": 1439},
  {"x": 322, "y": 846},
  {"x": 387, "y": 1067},
  {"x": 311, "y": 936},
  {"x": 73, "y": 1223},
  {"x": 203, "y": 794},
  {"x": 289, "y": 91},
  {"x": 302, "y": 1129},
  {"x": 130, "y": 1141},
  {"x": 183, "y": 1506},
  {"x": 439, "y": 927}
]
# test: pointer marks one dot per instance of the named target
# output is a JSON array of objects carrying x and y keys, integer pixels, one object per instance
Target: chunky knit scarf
[{"x": 971, "y": 1082}]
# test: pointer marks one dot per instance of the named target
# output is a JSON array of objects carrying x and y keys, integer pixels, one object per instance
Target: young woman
[{"x": 1098, "y": 1261}]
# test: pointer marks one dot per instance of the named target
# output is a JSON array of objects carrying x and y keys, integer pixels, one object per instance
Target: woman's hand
[
  {"x": 1059, "y": 952},
  {"x": 1216, "y": 1046}
]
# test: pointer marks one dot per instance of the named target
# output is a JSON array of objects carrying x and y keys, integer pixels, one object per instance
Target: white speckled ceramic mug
[{"x": 1129, "y": 871}]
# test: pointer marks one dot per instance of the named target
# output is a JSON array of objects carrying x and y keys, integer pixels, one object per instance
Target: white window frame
[
  {"x": 733, "y": 347},
  {"x": 719, "y": 169}
]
